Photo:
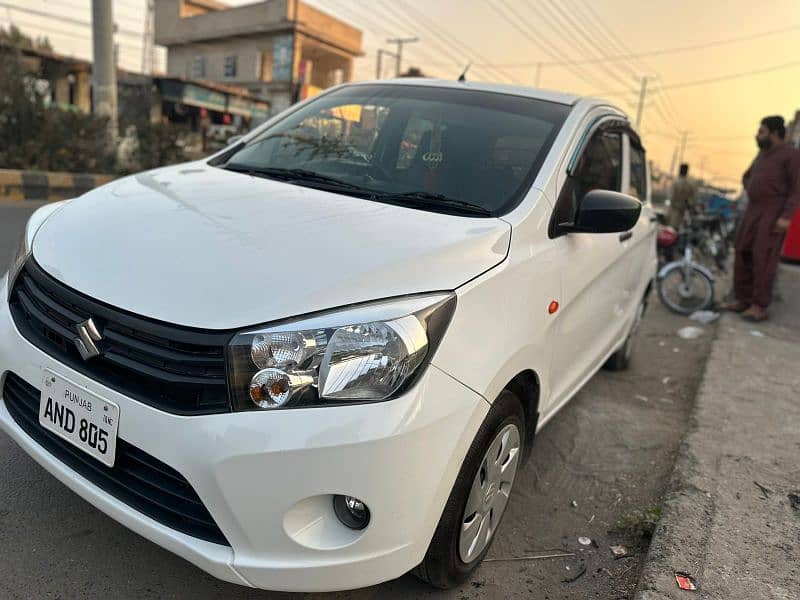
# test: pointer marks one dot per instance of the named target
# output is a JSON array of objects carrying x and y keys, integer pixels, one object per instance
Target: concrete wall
[
  {"x": 252, "y": 20},
  {"x": 315, "y": 23},
  {"x": 171, "y": 29},
  {"x": 39, "y": 185},
  {"x": 249, "y": 59}
]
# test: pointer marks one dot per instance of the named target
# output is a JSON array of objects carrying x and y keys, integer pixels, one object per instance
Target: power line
[
  {"x": 648, "y": 53},
  {"x": 728, "y": 77},
  {"x": 417, "y": 16},
  {"x": 379, "y": 26},
  {"x": 62, "y": 18},
  {"x": 61, "y": 32},
  {"x": 524, "y": 28},
  {"x": 565, "y": 18},
  {"x": 404, "y": 20}
]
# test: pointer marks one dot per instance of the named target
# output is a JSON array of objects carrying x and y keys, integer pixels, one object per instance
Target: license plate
[{"x": 82, "y": 418}]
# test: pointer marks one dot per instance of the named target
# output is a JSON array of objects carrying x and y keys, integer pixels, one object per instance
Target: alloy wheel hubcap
[{"x": 488, "y": 496}]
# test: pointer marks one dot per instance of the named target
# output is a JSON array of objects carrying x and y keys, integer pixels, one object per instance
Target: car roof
[{"x": 500, "y": 88}]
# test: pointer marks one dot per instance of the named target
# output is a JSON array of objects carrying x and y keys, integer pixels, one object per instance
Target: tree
[
  {"x": 40, "y": 137},
  {"x": 14, "y": 38}
]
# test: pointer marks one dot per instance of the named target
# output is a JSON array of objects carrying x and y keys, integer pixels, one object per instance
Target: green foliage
[
  {"x": 637, "y": 527},
  {"x": 39, "y": 137},
  {"x": 16, "y": 39},
  {"x": 158, "y": 144}
]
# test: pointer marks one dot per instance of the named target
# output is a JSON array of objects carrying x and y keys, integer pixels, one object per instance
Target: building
[
  {"x": 199, "y": 105},
  {"x": 282, "y": 50}
]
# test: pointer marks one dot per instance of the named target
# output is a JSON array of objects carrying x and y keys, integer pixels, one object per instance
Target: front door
[{"x": 594, "y": 272}]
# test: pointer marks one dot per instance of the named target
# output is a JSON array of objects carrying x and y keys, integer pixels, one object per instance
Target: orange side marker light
[{"x": 553, "y": 307}]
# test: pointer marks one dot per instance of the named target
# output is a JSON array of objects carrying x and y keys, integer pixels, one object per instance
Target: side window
[
  {"x": 599, "y": 168},
  {"x": 638, "y": 186}
]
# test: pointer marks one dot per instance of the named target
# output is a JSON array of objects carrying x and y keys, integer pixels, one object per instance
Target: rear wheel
[
  {"x": 479, "y": 497},
  {"x": 685, "y": 290}
]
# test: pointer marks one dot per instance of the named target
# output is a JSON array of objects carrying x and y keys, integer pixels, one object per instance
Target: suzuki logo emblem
[{"x": 87, "y": 336}]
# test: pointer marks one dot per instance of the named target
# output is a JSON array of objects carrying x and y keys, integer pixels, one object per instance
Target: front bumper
[{"x": 267, "y": 478}]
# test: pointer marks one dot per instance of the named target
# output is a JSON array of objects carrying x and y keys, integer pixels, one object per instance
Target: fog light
[{"x": 352, "y": 512}]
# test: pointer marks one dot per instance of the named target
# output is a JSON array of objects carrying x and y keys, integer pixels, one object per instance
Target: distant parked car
[{"x": 318, "y": 359}]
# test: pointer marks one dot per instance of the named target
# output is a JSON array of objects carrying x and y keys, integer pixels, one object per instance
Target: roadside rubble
[
  {"x": 685, "y": 581},
  {"x": 690, "y": 333},
  {"x": 706, "y": 317},
  {"x": 618, "y": 551}
]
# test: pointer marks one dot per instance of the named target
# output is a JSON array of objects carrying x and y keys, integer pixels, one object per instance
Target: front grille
[
  {"x": 176, "y": 369},
  {"x": 139, "y": 480}
]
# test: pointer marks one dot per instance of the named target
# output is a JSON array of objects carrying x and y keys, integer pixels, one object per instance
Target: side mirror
[{"x": 603, "y": 211}]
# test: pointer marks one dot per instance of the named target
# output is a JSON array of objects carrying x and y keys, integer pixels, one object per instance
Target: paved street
[{"x": 611, "y": 451}]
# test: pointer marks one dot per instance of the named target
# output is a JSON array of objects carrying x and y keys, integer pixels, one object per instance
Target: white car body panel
[
  {"x": 298, "y": 454},
  {"x": 198, "y": 246},
  {"x": 192, "y": 245}
]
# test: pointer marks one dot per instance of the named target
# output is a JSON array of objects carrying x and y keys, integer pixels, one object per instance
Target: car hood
[{"x": 203, "y": 247}]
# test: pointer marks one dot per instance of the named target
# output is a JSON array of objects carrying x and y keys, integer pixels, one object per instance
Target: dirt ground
[{"x": 611, "y": 451}]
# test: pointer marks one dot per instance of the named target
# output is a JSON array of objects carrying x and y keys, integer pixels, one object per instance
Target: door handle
[{"x": 624, "y": 237}]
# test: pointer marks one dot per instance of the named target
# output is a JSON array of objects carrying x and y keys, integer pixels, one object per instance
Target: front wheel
[
  {"x": 685, "y": 289},
  {"x": 479, "y": 497}
]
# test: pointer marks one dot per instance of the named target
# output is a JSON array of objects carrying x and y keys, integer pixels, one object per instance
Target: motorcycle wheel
[{"x": 685, "y": 291}]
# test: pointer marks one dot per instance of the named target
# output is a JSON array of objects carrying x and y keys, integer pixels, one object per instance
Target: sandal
[{"x": 737, "y": 307}]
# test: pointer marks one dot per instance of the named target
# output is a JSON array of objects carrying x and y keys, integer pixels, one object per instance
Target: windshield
[{"x": 438, "y": 145}]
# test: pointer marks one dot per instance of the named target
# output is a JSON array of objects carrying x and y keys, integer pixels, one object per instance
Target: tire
[
  {"x": 706, "y": 300},
  {"x": 620, "y": 360},
  {"x": 443, "y": 566}
]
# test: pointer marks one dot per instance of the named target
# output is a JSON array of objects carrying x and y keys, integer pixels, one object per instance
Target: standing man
[
  {"x": 683, "y": 196},
  {"x": 773, "y": 187}
]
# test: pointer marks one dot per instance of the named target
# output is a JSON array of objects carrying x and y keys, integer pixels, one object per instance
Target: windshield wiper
[
  {"x": 430, "y": 200},
  {"x": 417, "y": 199},
  {"x": 297, "y": 176}
]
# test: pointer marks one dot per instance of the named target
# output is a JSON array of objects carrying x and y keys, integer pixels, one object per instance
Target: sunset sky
[{"x": 506, "y": 38}]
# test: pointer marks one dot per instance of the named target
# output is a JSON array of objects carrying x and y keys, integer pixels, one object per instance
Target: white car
[{"x": 317, "y": 360}]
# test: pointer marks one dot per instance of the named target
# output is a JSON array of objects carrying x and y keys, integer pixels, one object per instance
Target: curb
[
  {"x": 18, "y": 185},
  {"x": 685, "y": 513},
  {"x": 728, "y": 515}
]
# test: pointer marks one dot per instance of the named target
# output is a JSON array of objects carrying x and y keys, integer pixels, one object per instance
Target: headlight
[{"x": 367, "y": 353}]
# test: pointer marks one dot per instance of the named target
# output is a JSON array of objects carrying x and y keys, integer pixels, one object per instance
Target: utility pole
[
  {"x": 379, "y": 63},
  {"x": 538, "y": 76},
  {"x": 399, "y": 56},
  {"x": 104, "y": 71},
  {"x": 640, "y": 109},
  {"x": 674, "y": 161},
  {"x": 684, "y": 135},
  {"x": 148, "y": 41}
]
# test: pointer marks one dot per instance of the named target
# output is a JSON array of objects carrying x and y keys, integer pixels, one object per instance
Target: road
[{"x": 610, "y": 451}]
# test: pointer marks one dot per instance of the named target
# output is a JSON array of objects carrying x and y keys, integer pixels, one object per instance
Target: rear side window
[
  {"x": 638, "y": 185},
  {"x": 599, "y": 168}
]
